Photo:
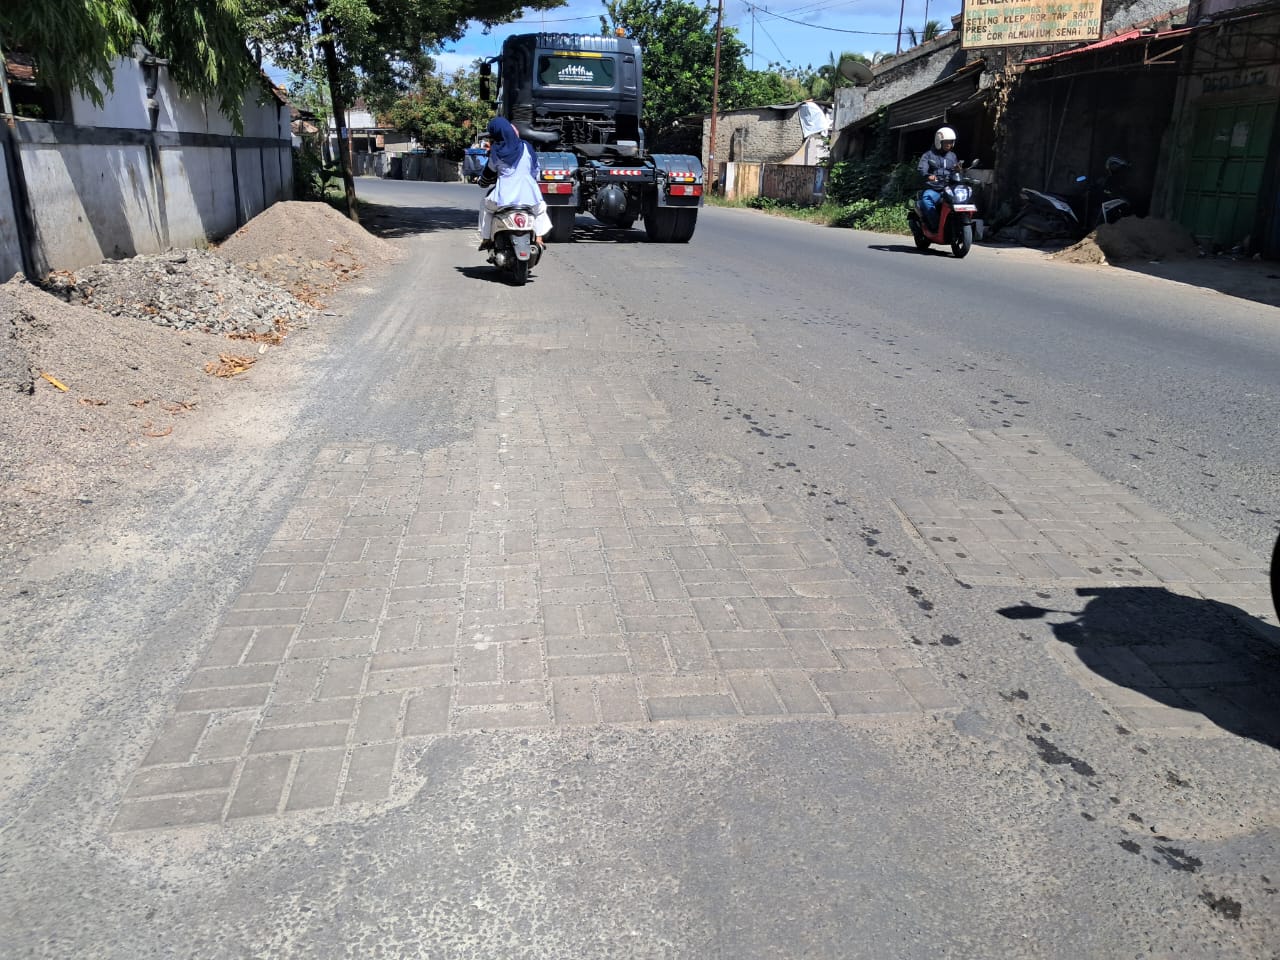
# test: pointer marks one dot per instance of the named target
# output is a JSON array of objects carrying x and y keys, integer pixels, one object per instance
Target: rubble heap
[{"x": 185, "y": 290}]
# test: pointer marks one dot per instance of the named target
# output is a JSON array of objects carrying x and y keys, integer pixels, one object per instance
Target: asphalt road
[{"x": 836, "y": 391}]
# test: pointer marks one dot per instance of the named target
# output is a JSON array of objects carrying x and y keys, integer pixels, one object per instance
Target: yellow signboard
[{"x": 1012, "y": 23}]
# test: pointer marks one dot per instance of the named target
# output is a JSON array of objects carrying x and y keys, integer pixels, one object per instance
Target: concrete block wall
[
  {"x": 105, "y": 184},
  {"x": 762, "y": 135}
]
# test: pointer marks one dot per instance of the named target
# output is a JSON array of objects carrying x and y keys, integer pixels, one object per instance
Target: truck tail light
[
  {"x": 556, "y": 187},
  {"x": 685, "y": 190}
]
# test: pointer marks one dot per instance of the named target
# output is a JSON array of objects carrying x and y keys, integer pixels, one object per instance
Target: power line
[{"x": 861, "y": 33}]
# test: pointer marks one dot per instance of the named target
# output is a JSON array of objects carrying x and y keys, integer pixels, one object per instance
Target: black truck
[{"x": 577, "y": 99}]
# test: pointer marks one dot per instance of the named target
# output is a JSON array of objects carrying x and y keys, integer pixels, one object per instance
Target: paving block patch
[{"x": 542, "y": 573}]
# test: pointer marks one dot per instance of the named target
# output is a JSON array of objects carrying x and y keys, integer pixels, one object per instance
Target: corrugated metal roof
[
  {"x": 933, "y": 102},
  {"x": 1120, "y": 39}
]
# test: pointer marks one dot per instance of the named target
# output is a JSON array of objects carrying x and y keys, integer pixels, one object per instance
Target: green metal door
[{"x": 1226, "y": 173}]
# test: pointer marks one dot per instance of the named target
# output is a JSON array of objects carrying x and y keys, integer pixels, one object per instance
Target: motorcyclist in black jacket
[{"x": 933, "y": 166}]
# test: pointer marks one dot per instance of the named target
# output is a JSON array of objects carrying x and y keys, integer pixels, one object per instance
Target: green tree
[
  {"x": 678, "y": 38},
  {"x": 759, "y": 88},
  {"x": 76, "y": 43},
  {"x": 384, "y": 45},
  {"x": 445, "y": 113},
  {"x": 932, "y": 30}
]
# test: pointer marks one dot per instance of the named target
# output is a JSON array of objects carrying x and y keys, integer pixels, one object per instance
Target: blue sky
[{"x": 825, "y": 26}]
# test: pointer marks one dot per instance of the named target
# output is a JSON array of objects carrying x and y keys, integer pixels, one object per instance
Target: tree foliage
[
  {"x": 678, "y": 38},
  {"x": 76, "y": 43},
  {"x": 444, "y": 113}
]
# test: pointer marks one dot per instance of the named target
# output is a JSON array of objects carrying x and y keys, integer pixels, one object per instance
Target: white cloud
[{"x": 449, "y": 62}]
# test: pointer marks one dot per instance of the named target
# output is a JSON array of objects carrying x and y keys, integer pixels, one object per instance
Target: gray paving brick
[
  {"x": 797, "y": 693},
  {"x": 648, "y": 653},
  {"x": 417, "y": 657},
  {"x": 745, "y": 639},
  {"x": 660, "y": 624},
  {"x": 297, "y": 681},
  {"x": 572, "y": 702},
  {"x": 560, "y": 620},
  {"x": 262, "y": 618},
  {"x": 427, "y": 712},
  {"x": 271, "y": 601},
  {"x": 620, "y": 702},
  {"x": 776, "y": 659},
  {"x": 1119, "y": 664},
  {"x": 326, "y": 606},
  {"x": 228, "y": 646},
  {"x": 691, "y": 708},
  {"x": 245, "y": 675},
  {"x": 343, "y": 678},
  {"x": 178, "y": 811},
  {"x": 370, "y": 773},
  {"x": 855, "y": 681},
  {"x": 586, "y": 666},
  {"x": 227, "y": 736},
  {"x": 177, "y": 740},
  {"x": 809, "y": 650},
  {"x": 690, "y": 652},
  {"x": 331, "y": 649},
  {"x": 336, "y": 631},
  {"x": 522, "y": 715},
  {"x": 716, "y": 615},
  {"x": 316, "y": 711},
  {"x": 315, "y": 781},
  {"x": 269, "y": 645},
  {"x": 288, "y": 739},
  {"x": 261, "y": 786},
  {"x": 848, "y": 703},
  {"x": 755, "y": 695},
  {"x": 584, "y": 645},
  {"x": 598, "y": 618},
  {"x": 194, "y": 778},
  {"x": 487, "y": 694},
  {"x": 379, "y": 717},
  {"x": 925, "y": 689},
  {"x": 413, "y": 678},
  {"x": 227, "y": 698}
]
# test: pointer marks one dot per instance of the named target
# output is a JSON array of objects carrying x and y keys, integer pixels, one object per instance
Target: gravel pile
[{"x": 184, "y": 290}]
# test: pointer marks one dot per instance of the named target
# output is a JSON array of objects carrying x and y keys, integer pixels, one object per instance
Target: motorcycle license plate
[{"x": 965, "y": 208}]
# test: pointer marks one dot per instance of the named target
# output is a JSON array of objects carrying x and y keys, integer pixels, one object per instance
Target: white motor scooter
[{"x": 515, "y": 246}]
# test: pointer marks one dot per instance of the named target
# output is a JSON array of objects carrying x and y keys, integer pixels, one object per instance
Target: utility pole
[
  {"x": 715, "y": 95},
  {"x": 902, "y": 6}
]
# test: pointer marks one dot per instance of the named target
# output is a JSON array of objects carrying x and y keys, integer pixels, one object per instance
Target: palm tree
[{"x": 932, "y": 30}]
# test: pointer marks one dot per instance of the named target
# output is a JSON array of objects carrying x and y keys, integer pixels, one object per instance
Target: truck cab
[{"x": 578, "y": 100}]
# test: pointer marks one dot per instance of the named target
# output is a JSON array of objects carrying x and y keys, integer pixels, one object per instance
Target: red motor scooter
[{"x": 955, "y": 214}]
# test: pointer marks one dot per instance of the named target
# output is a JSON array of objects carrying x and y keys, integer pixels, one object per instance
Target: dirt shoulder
[{"x": 101, "y": 367}]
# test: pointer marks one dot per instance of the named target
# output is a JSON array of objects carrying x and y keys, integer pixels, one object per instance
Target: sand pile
[{"x": 1133, "y": 238}]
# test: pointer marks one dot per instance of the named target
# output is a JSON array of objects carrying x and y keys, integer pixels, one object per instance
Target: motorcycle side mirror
[
  {"x": 1081, "y": 179},
  {"x": 973, "y": 164}
]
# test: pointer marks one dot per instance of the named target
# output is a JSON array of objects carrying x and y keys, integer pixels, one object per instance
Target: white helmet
[{"x": 944, "y": 133}]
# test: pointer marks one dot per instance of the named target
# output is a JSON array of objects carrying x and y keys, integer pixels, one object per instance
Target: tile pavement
[
  {"x": 542, "y": 574},
  {"x": 1054, "y": 522}
]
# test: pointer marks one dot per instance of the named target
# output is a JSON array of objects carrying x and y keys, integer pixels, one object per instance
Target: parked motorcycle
[
  {"x": 955, "y": 214},
  {"x": 1046, "y": 217},
  {"x": 515, "y": 249}
]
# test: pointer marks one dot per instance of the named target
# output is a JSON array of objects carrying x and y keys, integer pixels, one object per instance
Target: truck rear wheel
[
  {"x": 668, "y": 225},
  {"x": 562, "y": 221}
]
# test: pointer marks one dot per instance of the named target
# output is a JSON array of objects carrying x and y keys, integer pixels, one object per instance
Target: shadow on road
[
  {"x": 489, "y": 273},
  {"x": 1195, "y": 655},
  {"x": 393, "y": 222},
  {"x": 905, "y": 248},
  {"x": 590, "y": 230}
]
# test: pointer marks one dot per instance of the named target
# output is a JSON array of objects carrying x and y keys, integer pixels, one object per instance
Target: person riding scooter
[
  {"x": 512, "y": 171},
  {"x": 934, "y": 166}
]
